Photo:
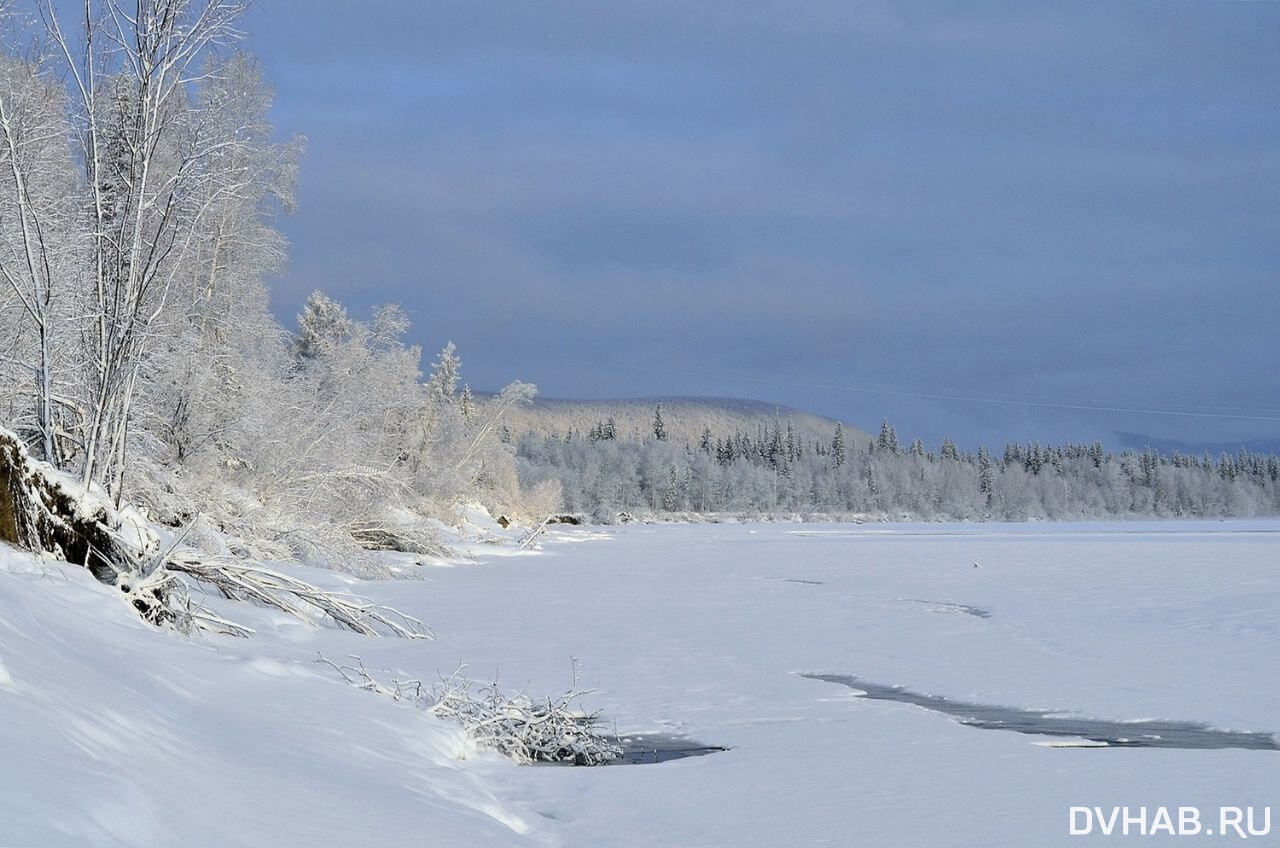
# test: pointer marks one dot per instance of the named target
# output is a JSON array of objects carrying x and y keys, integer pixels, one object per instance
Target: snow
[{"x": 119, "y": 734}]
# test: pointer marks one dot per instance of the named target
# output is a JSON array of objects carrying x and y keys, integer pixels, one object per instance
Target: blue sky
[{"x": 934, "y": 212}]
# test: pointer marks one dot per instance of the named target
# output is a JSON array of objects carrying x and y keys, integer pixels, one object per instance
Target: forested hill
[{"x": 685, "y": 418}]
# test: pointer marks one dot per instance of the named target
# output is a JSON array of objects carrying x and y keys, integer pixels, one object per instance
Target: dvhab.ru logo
[{"x": 1240, "y": 822}]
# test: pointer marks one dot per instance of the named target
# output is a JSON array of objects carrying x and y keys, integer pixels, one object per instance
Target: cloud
[{"x": 1073, "y": 201}]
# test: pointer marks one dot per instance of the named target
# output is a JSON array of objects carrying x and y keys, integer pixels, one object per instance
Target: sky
[{"x": 991, "y": 221}]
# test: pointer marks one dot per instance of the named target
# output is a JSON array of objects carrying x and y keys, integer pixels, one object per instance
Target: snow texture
[{"x": 119, "y": 734}]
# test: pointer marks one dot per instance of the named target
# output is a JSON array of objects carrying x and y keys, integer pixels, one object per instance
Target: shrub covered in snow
[
  {"x": 528, "y": 730},
  {"x": 554, "y": 730}
]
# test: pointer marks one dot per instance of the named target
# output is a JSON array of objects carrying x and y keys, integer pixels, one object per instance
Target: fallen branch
[
  {"x": 537, "y": 531},
  {"x": 404, "y": 539},
  {"x": 173, "y": 605},
  {"x": 295, "y": 597}
]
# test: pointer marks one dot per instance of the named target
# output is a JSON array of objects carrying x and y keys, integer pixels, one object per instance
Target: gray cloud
[{"x": 995, "y": 200}]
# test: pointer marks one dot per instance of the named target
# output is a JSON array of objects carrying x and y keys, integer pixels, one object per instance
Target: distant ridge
[
  {"x": 1140, "y": 441},
  {"x": 684, "y": 417}
]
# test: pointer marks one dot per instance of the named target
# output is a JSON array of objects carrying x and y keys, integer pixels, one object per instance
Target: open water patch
[
  {"x": 643, "y": 749},
  {"x": 649, "y": 748},
  {"x": 1146, "y": 733}
]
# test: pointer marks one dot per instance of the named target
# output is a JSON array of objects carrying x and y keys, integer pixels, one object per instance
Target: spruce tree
[
  {"x": 888, "y": 439},
  {"x": 322, "y": 326},
  {"x": 985, "y": 483},
  {"x": 659, "y": 426},
  {"x": 467, "y": 404}
]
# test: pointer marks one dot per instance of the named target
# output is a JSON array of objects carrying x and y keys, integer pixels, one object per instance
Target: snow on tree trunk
[{"x": 45, "y": 511}]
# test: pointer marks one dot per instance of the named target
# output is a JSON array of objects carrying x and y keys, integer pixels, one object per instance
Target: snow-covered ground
[{"x": 115, "y": 733}]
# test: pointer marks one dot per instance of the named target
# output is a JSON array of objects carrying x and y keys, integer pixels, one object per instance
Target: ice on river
[{"x": 117, "y": 734}]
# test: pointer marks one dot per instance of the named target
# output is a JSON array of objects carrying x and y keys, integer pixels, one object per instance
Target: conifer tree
[
  {"x": 322, "y": 326},
  {"x": 888, "y": 439},
  {"x": 659, "y": 426},
  {"x": 467, "y": 404},
  {"x": 986, "y": 485},
  {"x": 443, "y": 383}
]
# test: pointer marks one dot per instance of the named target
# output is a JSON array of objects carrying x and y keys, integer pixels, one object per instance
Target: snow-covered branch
[
  {"x": 298, "y": 598},
  {"x": 528, "y": 730}
]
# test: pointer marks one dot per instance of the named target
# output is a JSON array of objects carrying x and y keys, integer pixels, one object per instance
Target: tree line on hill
[{"x": 773, "y": 471}]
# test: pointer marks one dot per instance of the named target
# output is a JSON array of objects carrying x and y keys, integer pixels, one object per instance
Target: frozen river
[
  {"x": 706, "y": 631},
  {"x": 701, "y": 633}
]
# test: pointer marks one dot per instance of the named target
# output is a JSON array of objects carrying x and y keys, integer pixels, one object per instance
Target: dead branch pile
[
  {"x": 550, "y": 730},
  {"x": 554, "y": 730}
]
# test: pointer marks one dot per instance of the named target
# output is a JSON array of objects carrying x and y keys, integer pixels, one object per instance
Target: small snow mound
[
  {"x": 476, "y": 515},
  {"x": 267, "y": 667},
  {"x": 498, "y": 814}
]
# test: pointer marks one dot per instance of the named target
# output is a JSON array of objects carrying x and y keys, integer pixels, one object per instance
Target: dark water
[
  {"x": 948, "y": 606},
  {"x": 649, "y": 748},
  {"x": 1123, "y": 734}
]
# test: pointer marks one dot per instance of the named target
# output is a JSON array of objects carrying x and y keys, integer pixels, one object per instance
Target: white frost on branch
[
  {"x": 300, "y": 599},
  {"x": 528, "y": 730}
]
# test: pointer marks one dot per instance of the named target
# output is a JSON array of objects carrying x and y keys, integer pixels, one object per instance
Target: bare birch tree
[
  {"x": 37, "y": 244},
  {"x": 132, "y": 68}
]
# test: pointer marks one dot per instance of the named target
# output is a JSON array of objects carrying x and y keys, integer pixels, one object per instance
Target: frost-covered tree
[
  {"x": 888, "y": 438},
  {"x": 748, "y": 474},
  {"x": 659, "y": 426},
  {"x": 445, "y": 371},
  {"x": 323, "y": 325},
  {"x": 838, "y": 452},
  {"x": 41, "y": 244},
  {"x": 218, "y": 339},
  {"x": 152, "y": 149},
  {"x": 986, "y": 480},
  {"x": 467, "y": 405}
]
